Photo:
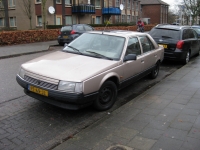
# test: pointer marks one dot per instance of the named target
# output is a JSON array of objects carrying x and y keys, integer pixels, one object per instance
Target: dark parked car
[
  {"x": 180, "y": 42},
  {"x": 70, "y": 32}
]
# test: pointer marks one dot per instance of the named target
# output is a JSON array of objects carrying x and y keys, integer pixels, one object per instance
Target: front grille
[{"x": 41, "y": 83}]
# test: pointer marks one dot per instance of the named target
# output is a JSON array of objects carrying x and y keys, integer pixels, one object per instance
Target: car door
[
  {"x": 149, "y": 53},
  {"x": 133, "y": 68}
]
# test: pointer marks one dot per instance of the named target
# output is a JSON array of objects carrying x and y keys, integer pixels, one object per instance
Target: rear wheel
[
  {"x": 187, "y": 58},
  {"x": 107, "y": 96},
  {"x": 155, "y": 71}
]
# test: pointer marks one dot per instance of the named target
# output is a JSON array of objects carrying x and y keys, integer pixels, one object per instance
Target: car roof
[
  {"x": 167, "y": 26},
  {"x": 124, "y": 33}
]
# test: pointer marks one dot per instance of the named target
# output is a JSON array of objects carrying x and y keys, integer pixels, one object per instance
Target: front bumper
[{"x": 71, "y": 101}]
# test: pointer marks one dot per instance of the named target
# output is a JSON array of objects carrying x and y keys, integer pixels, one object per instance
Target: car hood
[{"x": 68, "y": 67}]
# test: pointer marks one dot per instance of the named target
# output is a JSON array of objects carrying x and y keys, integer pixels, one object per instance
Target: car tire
[
  {"x": 155, "y": 71},
  {"x": 187, "y": 58},
  {"x": 107, "y": 96}
]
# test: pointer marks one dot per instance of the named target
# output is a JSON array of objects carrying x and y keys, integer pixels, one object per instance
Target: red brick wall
[{"x": 152, "y": 12}]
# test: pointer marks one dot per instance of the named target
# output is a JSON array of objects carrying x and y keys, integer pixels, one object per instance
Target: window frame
[
  {"x": 15, "y": 21},
  {"x": 11, "y": 5},
  {"x": 37, "y": 1}
]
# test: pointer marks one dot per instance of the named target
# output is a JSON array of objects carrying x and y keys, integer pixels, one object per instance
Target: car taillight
[
  {"x": 59, "y": 32},
  {"x": 179, "y": 44},
  {"x": 72, "y": 32}
]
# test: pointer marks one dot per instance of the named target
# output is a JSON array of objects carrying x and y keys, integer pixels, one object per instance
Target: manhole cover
[{"x": 119, "y": 147}]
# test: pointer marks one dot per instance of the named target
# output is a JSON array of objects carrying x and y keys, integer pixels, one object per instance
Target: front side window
[
  {"x": 2, "y": 22},
  {"x": 12, "y": 21},
  {"x": 11, "y": 3},
  {"x": 133, "y": 46},
  {"x": 39, "y": 20},
  {"x": 68, "y": 20},
  {"x": 98, "y": 45},
  {"x": 147, "y": 45}
]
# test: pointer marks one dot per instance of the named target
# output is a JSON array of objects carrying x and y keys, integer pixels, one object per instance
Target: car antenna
[{"x": 121, "y": 7}]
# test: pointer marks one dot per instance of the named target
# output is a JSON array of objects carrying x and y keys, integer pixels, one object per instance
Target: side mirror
[{"x": 130, "y": 57}]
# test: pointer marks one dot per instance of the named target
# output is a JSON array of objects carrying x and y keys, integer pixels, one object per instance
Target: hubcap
[{"x": 106, "y": 95}]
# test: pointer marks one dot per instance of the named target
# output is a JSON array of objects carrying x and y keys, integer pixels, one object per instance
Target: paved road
[{"x": 26, "y": 123}]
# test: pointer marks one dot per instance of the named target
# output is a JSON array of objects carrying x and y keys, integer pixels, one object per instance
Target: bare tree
[
  {"x": 192, "y": 7},
  {"x": 43, "y": 2},
  {"x": 28, "y": 10}
]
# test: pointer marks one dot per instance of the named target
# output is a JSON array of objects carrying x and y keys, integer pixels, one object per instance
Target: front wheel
[
  {"x": 107, "y": 96},
  {"x": 155, "y": 71}
]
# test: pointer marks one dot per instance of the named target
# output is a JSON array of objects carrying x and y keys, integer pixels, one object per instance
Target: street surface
[{"x": 26, "y": 123}]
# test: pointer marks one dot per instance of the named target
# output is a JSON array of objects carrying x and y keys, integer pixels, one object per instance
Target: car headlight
[
  {"x": 21, "y": 72},
  {"x": 70, "y": 86}
]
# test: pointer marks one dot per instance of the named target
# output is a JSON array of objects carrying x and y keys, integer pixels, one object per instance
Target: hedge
[{"x": 30, "y": 36}]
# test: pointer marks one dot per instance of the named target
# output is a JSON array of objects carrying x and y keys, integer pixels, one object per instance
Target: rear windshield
[
  {"x": 158, "y": 33},
  {"x": 66, "y": 28}
]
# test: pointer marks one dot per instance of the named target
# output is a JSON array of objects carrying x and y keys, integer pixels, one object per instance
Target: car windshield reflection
[{"x": 108, "y": 46}]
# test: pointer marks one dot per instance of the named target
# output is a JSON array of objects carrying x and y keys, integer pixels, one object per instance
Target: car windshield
[
  {"x": 97, "y": 45},
  {"x": 168, "y": 33}
]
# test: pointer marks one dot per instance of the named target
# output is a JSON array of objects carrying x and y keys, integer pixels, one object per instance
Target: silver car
[{"x": 91, "y": 69}]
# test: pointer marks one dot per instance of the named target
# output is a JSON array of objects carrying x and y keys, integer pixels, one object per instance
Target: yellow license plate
[
  {"x": 165, "y": 46},
  {"x": 65, "y": 37},
  {"x": 38, "y": 90}
]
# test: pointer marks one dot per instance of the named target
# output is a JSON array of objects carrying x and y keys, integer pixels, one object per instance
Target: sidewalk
[
  {"x": 166, "y": 117},
  {"x": 16, "y": 50}
]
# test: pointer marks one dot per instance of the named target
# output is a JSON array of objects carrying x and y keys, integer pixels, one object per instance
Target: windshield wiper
[
  {"x": 75, "y": 49},
  {"x": 100, "y": 55}
]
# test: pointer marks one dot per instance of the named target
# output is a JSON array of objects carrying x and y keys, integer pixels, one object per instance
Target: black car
[
  {"x": 70, "y": 32},
  {"x": 180, "y": 42}
]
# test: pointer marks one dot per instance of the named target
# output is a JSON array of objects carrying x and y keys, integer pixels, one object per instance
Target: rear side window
[
  {"x": 165, "y": 33},
  {"x": 66, "y": 28},
  {"x": 147, "y": 45},
  {"x": 188, "y": 34}
]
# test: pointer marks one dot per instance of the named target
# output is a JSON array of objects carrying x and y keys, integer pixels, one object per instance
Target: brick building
[
  {"x": 67, "y": 12},
  {"x": 155, "y": 10}
]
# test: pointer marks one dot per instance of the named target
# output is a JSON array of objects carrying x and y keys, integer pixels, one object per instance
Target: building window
[
  {"x": 12, "y": 21},
  {"x": 123, "y": 19},
  {"x": 37, "y": 1},
  {"x": 133, "y": 6},
  {"x": 11, "y": 3},
  {"x": 58, "y": 1},
  {"x": 39, "y": 21},
  {"x": 98, "y": 20},
  {"x": 58, "y": 20},
  {"x": 117, "y": 18},
  {"x": 117, "y": 2},
  {"x": 1, "y": 4},
  {"x": 67, "y": 2},
  {"x": 68, "y": 20},
  {"x": 2, "y": 23},
  {"x": 124, "y": 3},
  {"x": 128, "y": 18},
  {"x": 128, "y": 4},
  {"x": 97, "y": 3},
  {"x": 137, "y": 6},
  {"x": 74, "y": 18}
]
